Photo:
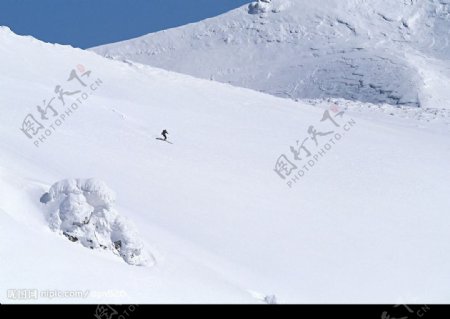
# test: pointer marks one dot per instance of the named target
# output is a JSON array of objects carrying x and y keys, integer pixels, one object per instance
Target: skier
[{"x": 164, "y": 134}]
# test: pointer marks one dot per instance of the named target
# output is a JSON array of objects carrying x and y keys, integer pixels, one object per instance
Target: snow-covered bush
[
  {"x": 260, "y": 6},
  {"x": 83, "y": 211}
]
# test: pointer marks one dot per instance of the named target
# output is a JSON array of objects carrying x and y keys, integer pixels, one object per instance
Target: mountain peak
[
  {"x": 356, "y": 50},
  {"x": 5, "y": 30}
]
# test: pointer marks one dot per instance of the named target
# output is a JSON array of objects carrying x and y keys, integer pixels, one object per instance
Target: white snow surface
[
  {"x": 368, "y": 223},
  {"x": 379, "y": 51}
]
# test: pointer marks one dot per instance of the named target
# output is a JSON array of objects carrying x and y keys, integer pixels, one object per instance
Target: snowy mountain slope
[
  {"x": 382, "y": 51},
  {"x": 369, "y": 223}
]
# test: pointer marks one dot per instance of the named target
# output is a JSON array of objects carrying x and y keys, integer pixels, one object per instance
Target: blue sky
[{"x": 87, "y": 23}]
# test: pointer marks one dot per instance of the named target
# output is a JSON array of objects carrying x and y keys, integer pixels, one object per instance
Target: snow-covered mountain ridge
[{"x": 379, "y": 51}]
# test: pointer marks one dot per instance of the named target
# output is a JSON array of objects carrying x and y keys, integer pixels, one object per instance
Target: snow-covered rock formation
[
  {"x": 83, "y": 211},
  {"x": 258, "y": 7}
]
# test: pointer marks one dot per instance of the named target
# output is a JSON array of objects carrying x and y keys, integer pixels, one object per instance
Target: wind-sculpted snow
[
  {"x": 358, "y": 50},
  {"x": 83, "y": 211}
]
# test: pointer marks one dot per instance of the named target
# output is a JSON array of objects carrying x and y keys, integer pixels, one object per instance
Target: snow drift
[{"x": 83, "y": 211}]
